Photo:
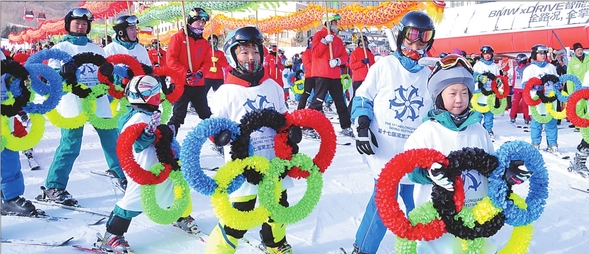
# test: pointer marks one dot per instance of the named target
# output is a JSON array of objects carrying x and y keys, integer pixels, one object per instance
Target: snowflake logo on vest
[{"x": 406, "y": 103}]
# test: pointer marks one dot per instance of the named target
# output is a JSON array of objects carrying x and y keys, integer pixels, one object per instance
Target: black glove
[
  {"x": 438, "y": 175},
  {"x": 107, "y": 69},
  {"x": 516, "y": 173},
  {"x": 365, "y": 136},
  {"x": 222, "y": 138},
  {"x": 166, "y": 89},
  {"x": 295, "y": 135},
  {"x": 252, "y": 176},
  {"x": 68, "y": 72},
  {"x": 365, "y": 61}
]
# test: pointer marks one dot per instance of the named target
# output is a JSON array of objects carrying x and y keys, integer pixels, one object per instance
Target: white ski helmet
[{"x": 144, "y": 89}]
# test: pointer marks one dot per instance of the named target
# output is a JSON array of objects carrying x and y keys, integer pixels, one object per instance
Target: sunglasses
[
  {"x": 198, "y": 15},
  {"x": 413, "y": 35},
  {"x": 82, "y": 13},
  {"x": 450, "y": 61}
]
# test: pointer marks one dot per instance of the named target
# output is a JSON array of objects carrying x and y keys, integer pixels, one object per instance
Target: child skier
[
  {"x": 450, "y": 126},
  {"x": 486, "y": 65},
  {"x": 518, "y": 89},
  {"x": 143, "y": 93},
  {"x": 245, "y": 83}
]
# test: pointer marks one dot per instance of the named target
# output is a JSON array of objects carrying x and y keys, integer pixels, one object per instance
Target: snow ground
[{"x": 563, "y": 228}]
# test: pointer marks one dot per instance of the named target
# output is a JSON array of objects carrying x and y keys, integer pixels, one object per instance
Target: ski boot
[
  {"x": 33, "y": 165},
  {"x": 347, "y": 132},
  {"x": 579, "y": 165},
  {"x": 59, "y": 196},
  {"x": 113, "y": 244},
  {"x": 357, "y": 250},
  {"x": 187, "y": 224},
  {"x": 553, "y": 149},
  {"x": 310, "y": 133},
  {"x": 19, "y": 206}
]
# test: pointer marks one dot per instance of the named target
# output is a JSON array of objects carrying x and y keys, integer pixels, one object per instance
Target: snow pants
[
  {"x": 551, "y": 132},
  {"x": 13, "y": 182},
  {"x": 333, "y": 86},
  {"x": 69, "y": 149},
  {"x": 372, "y": 230},
  {"x": 197, "y": 95}
]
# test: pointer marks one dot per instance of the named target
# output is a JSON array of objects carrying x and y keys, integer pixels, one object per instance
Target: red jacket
[
  {"x": 177, "y": 55},
  {"x": 273, "y": 68},
  {"x": 321, "y": 57},
  {"x": 359, "y": 69},
  {"x": 153, "y": 56},
  {"x": 221, "y": 64},
  {"x": 19, "y": 129},
  {"x": 308, "y": 63}
]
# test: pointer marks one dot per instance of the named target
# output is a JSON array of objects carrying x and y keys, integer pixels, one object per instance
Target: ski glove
[
  {"x": 156, "y": 119},
  {"x": 328, "y": 38},
  {"x": 222, "y": 138},
  {"x": 365, "y": 61},
  {"x": 516, "y": 173},
  {"x": 107, "y": 69},
  {"x": 193, "y": 78},
  {"x": 295, "y": 135},
  {"x": 68, "y": 72},
  {"x": 166, "y": 89},
  {"x": 365, "y": 136},
  {"x": 335, "y": 62},
  {"x": 438, "y": 176},
  {"x": 483, "y": 79}
]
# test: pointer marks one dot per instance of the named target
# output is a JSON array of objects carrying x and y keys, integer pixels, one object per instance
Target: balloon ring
[
  {"x": 125, "y": 153},
  {"x": 227, "y": 214},
  {"x": 190, "y": 155},
  {"x": 177, "y": 80},
  {"x": 476, "y": 106},
  {"x": 17, "y": 88},
  {"x": 386, "y": 188},
  {"x": 458, "y": 218},
  {"x": 539, "y": 118},
  {"x": 555, "y": 114},
  {"x": 317, "y": 121},
  {"x": 496, "y": 83},
  {"x": 133, "y": 64},
  {"x": 175, "y": 211},
  {"x": 538, "y": 192},
  {"x": 269, "y": 190},
  {"x": 89, "y": 107},
  {"x": 37, "y": 85},
  {"x": 55, "y": 88},
  {"x": 28, "y": 141},
  {"x": 571, "y": 108},
  {"x": 166, "y": 108},
  {"x": 563, "y": 80},
  {"x": 496, "y": 110},
  {"x": 533, "y": 82},
  {"x": 299, "y": 87}
]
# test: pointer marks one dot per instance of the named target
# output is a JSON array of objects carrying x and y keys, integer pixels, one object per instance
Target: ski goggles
[
  {"x": 414, "y": 34},
  {"x": 78, "y": 13},
  {"x": 245, "y": 36},
  {"x": 132, "y": 20},
  {"x": 199, "y": 15},
  {"x": 451, "y": 61}
]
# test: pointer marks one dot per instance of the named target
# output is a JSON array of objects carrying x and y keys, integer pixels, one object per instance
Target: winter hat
[
  {"x": 456, "y": 51},
  {"x": 577, "y": 46},
  {"x": 443, "y": 78}
]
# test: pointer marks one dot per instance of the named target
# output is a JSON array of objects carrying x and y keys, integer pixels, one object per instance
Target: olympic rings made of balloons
[
  {"x": 55, "y": 88},
  {"x": 539, "y": 118},
  {"x": 190, "y": 155},
  {"x": 558, "y": 115},
  {"x": 125, "y": 153},
  {"x": 563, "y": 80},
  {"x": 171, "y": 214},
  {"x": 269, "y": 190},
  {"x": 386, "y": 188},
  {"x": 315, "y": 120},
  {"x": 177, "y": 80},
  {"x": 538, "y": 191},
  {"x": 227, "y": 214},
  {"x": 30, "y": 140},
  {"x": 89, "y": 107},
  {"x": 533, "y": 82}
]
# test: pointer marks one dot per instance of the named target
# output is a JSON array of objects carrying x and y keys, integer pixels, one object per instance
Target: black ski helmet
[
  {"x": 242, "y": 35},
  {"x": 78, "y": 13},
  {"x": 538, "y": 48},
  {"x": 419, "y": 21},
  {"x": 487, "y": 49},
  {"x": 195, "y": 14},
  {"x": 122, "y": 22},
  {"x": 521, "y": 58}
]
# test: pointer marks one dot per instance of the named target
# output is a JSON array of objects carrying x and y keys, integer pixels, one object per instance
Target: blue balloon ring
[
  {"x": 37, "y": 85},
  {"x": 55, "y": 88},
  {"x": 190, "y": 155}
]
